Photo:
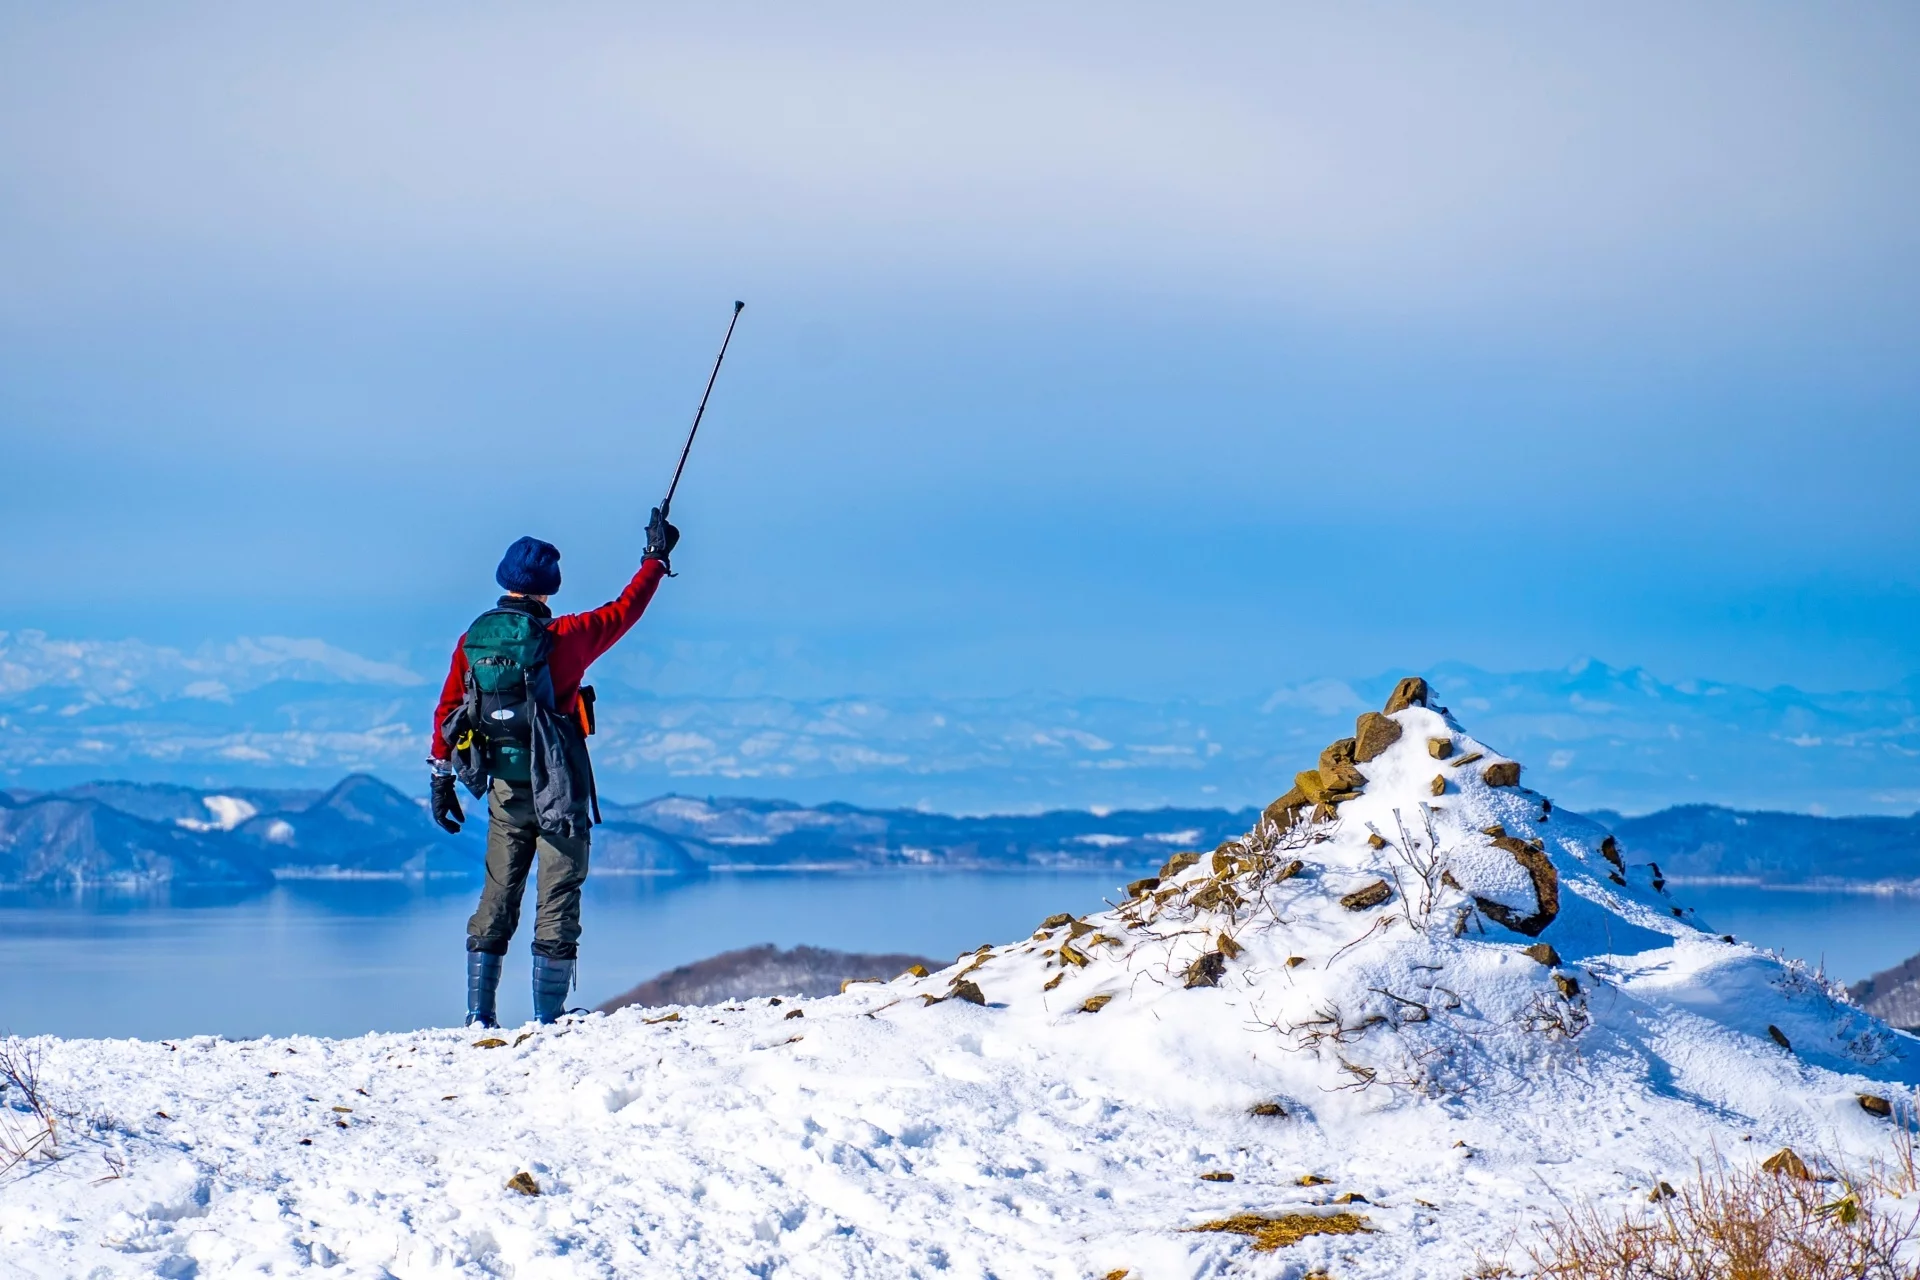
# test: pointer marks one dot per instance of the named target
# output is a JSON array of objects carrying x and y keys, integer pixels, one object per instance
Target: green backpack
[{"x": 507, "y": 727}]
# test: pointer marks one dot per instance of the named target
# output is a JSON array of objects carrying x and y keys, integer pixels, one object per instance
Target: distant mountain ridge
[
  {"x": 142, "y": 836},
  {"x": 278, "y": 712}
]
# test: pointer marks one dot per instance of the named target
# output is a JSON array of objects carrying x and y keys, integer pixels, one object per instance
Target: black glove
[
  {"x": 662, "y": 538},
  {"x": 446, "y": 805}
]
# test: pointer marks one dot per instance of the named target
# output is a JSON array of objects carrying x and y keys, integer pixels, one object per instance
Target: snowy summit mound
[{"x": 1417, "y": 1005}]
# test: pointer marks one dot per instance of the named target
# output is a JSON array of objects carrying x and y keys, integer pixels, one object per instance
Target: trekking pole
[{"x": 666, "y": 503}]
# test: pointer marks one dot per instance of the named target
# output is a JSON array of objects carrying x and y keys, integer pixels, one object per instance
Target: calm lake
[{"x": 340, "y": 958}]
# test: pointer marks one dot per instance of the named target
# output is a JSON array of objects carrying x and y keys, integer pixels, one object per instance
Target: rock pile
[{"x": 1371, "y": 839}]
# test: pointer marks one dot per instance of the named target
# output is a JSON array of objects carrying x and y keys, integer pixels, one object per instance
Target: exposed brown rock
[
  {"x": 1222, "y": 863},
  {"x": 1370, "y": 896},
  {"x": 1228, "y": 947},
  {"x": 1094, "y": 1004},
  {"x": 1568, "y": 984},
  {"x": 1462, "y": 762},
  {"x": 1054, "y": 981},
  {"x": 1055, "y": 921},
  {"x": 1072, "y": 956},
  {"x": 1787, "y": 1162},
  {"x": 1286, "y": 811},
  {"x": 1661, "y": 1191},
  {"x": 1438, "y": 786},
  {"x": 1218, "y": 1175},
  {"x": 1496, "y": 830},
  {"x": 1294, "y": 962},
  {"x": 523, "y": 1183},
  {"x": 1439, "y": 748},
  {"x": 1215, "y": 895},
  {"x": 1143, "y": 885},
  {"x": 967, "y": 990},
  {"x": 1207, "y": 970},
  {"x": 1410, "y": 692},
  {"x": 915, "y": 971},
  {"x": 1610, "y": 850},
  {"x": 1780, "y": 1037},
  {"x": 1546, "y": 890},
  {"x": 495, "y": 1042},
  {"x": 1289, "y": 871},
  {"x": 1503, "y": 773},
  {"x": 1373, "y": 733},
  {"x": 1175, "y": 865},
  {"x": 1329, "y": 787},
  {"x": 1875, "y": 1105},
  {"x": 1544, "y": 953},
  {"x": 1338, "y": 752},
  {"x": 1376, "y": 841},
  {"x": 1268, "y": 1109}
]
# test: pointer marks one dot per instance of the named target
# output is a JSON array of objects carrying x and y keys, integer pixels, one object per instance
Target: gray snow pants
[{"x": 513, "y": 837}]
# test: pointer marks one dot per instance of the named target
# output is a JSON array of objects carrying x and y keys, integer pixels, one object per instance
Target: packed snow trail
[{"x": 1329, "y": 1010}]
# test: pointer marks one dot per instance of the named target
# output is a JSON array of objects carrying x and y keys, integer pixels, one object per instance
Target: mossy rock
[
  {"x": 1546, "y": 891},
  {"x": 1504, "y": 773},
  {"x": 1373, "y": 733},
  {"x": 1367, "y": 897},
  {"x": 1410, "y": 692}
]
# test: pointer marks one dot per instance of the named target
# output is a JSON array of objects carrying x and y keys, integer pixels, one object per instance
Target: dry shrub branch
[
  {"x": 27, "y": 1123},
  {"x": 1736, "y": 1225}
]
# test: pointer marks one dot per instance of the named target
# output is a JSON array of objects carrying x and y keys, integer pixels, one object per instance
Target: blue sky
[{"x": 1102, "y": 350}]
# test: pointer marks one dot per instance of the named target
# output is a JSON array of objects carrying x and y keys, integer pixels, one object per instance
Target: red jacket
[{"x": 578, "y": 638}]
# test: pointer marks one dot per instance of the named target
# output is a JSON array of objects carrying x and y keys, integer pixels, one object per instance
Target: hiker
[{"x": 512, "y": 725}]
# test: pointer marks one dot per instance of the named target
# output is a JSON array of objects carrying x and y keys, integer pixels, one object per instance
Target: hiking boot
[
  {"x": 483, "y": 989},
  {"x": 552, "y": 980}
]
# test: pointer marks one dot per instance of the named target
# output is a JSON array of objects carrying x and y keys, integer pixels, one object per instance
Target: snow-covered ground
[{"x": 1418, "y": 1057}]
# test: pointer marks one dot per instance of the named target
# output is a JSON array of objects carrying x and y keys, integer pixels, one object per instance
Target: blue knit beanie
[{"x": 531, "y": 567}]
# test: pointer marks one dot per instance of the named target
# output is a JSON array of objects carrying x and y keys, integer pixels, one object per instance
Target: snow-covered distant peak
[{"x": 227, "y": 812}]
